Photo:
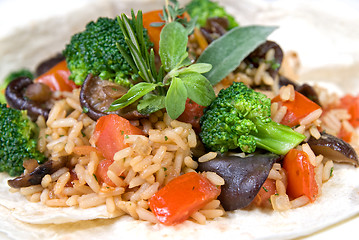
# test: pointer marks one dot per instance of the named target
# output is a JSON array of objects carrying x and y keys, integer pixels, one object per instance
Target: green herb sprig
[
  {"x": 177, "y": 79},
  {"x": 171, "y": 12}
]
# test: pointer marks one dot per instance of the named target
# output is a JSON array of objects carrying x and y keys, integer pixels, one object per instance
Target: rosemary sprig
[{"x": 140, "y": 60}]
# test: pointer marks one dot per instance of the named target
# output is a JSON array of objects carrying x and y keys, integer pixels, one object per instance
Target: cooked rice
[
  {"x": 138, "y": 171},
  {"x": 150, "y": 161}
]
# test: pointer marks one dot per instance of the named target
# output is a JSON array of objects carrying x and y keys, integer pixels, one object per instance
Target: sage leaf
[
  {"x": 134, "y": 94},
  {"x": 176, "y": 97},
  {"x": 173, "y": 44},
  {"x": 227, "y": 52},
  {"x": 197, "y": 67},
  {"x": 199, "y": 89},
  {"x": 151, "y": 103}
]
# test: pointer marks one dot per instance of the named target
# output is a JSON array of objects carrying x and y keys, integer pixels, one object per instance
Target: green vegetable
[
  {"x": 95, "y": 51},
  {"x": 227, "y": 52},
  {"x": 18, "y": 140},
  {"x": 12, "y": 76},
  {"x": 240, "y": 118},
  {"x": 172, "y": 13},
  {"x": 204, "y": 9},
  {"x": 177, "y": 79}
]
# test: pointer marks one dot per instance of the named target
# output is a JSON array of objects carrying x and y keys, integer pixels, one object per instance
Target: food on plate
[{"x": 182, "y": 120}]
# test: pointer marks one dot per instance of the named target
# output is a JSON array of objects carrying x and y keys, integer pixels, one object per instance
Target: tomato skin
[
  {"x": 263, "y": 196},
  {"x": 300, "y": 175},
  {"x": 297, "y": 109},
  {"x": 181, "y": 197},
  {"x": 101, "y": 172},
  {"x": 192, "y": 114},
  {"x": 57, "y": 78},
  {"x": 110, "y": 132}
]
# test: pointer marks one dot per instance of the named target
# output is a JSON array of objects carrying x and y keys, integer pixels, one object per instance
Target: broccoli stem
[{"x": 276, "y": 137}]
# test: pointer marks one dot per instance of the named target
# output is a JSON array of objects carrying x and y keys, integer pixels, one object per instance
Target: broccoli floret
[
  {"x": 95, "y": 51},
  {"x": 11, "y": 76},
  {"x": 240, "y": 118},
  {"x": 18, "y": 140},
  {"x": 204, "y": 9}
]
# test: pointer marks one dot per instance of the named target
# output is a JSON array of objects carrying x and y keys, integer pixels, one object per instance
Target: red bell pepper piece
[
  {"x": 297, "y": 109},
  {"x": 57, "y": 78},
  {"x": 300, "y": 175},
  {"x": 182, "y": 197},
  {"x": 192, "y": 114},
  {"x": 351, "y": 103},
  {"x": 110, "y": 132}
]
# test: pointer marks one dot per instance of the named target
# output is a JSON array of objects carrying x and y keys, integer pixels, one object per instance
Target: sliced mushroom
[
  {"x": 215, "y": 28},
  {"x": 15, "y": 97},
  {"x": 46, "y": 65},
  {"x": 243, "y": 177},
  {"x": 35, "y": 177},
  {"x": 334, "y": 148},
  {"x": 97, "y": 95},
  {"x": 259, "y": 54},
  {"x": 38, "y": 92}
]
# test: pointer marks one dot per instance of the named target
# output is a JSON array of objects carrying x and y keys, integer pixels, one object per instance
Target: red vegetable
[
  {"x": 345, "y": 135},
  {"x": 300, "y": 175},
  {"x": 110, "y": 132},
  {"x": 263, "y": 196},
  {"x": 101, "y": 172},
  {"x": 192, "y": 114},
  {"x": 153, "y": 32},
  {"x": 351, "y": 103},
  {"x": 297, "y": 109},
  {"x": 57, "y": 78},
  {"x": 181, "y": 197}
]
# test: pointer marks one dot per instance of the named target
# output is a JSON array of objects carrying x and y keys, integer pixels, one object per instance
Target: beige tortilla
[
  {"x": 21, "y": 219},
  {"x": 339, "y": 201}
]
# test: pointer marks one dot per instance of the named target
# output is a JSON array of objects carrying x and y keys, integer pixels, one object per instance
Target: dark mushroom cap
[
  {"x": 96, "y": 97},
  {"x": 243, "y": 177},
  {"x": 260, "y": 53},
  {"x": 15, "y": 97},
  {"x": 35, "y": 177},
  {"x": 334, "y": 148}
]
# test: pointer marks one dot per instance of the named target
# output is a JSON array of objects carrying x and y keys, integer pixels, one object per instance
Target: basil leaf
[
  {"x": 199, "y": 89},
  {"x": 173, "y": 44},
  {"x": 151, "y": 103},
  {"x": 176, "y": 97},
  {"x": 135, "y": 93},
  {"x": 227, "y": 52}
]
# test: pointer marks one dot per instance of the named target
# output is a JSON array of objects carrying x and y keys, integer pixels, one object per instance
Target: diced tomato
[
  {"x": 351, "y": 103},
  {"x": 297, "y": 109},
  {"x": 57, "y": 78},
  {"x": 300, "y": 175},
  {"x": 181, "y": 197},
  {"x": 263, "y": 196},
  {"x": 192, "y": 114},
  {"x": 110, "y": 132},
  {"x": 101, "y": 172}
]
